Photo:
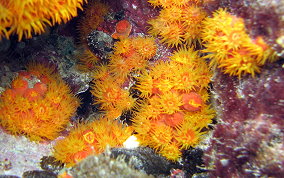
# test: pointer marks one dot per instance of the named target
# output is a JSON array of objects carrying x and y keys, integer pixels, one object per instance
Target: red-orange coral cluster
[
  {"x": 178, "y": 22},
  {"x": 130, "y": 55},
  {"x": 38, "y": 104},
  {"x": 25, "y": 17},
  {"x": 113, "y": 99},
  {"x": 174, "y": 111},
  {"x": 88, "y": 139},
  {"x": 230, "y": 48}
]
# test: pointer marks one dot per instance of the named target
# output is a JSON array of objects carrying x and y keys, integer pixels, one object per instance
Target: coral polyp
[
  {"x": 171, "y": 34},
  {"x": 188, "y": 136},
  {"x": 168, "y": 102},
  {"x": 144, "y": 46},
  {"x": 112, "y": 97},
  {"x": 191, "y": 101},
  {"x": 130, "y": 56},
  {"x": 185, "y": 56},
  {"x": 86, "y": 60},
  {"x": 34, "y": 108},
  {"x": 169, "y": 3}
]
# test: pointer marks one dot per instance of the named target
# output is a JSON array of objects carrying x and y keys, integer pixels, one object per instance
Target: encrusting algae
[{"x": 38, "y": 105}]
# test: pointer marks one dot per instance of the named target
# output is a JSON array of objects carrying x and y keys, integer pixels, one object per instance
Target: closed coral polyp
[
  {"x": 122, "y": 29},
  {"x": 32, "y": 94},
  {"x": 173, "y": 120},
  {"x": 40, "y": 88},
  {"x": 19, "y": 85},
  {"x": 191, "y": 101}
]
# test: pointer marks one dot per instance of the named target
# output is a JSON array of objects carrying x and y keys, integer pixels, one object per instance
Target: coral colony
[
  {"x": 192, "y": 81},
  {"x": 38, "y": 104},
  {"x": 25, "y": 18}
]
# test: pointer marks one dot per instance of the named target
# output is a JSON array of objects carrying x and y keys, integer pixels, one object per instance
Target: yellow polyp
[
  {"x": 171, "y": 152},
  {"x": 169, "y": 102},
  {"x": 57, "y": 100},
  {"x": 89, "y": 137}
]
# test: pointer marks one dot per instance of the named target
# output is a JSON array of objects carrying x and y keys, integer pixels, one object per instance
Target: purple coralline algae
[{"x": 248, "y": 139}]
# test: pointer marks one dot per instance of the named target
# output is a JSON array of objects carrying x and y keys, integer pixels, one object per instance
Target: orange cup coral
[
  {"x": 112, "y": 98},
  {"x": 178, "y": 22},
  {"x": 88, "y": 139},
  {"x": 230, "y": 48},
  {"x": 130, "y": 56},
  {"x": 192, "y": 101},
  {"x": 174, "y": 109},
  {"x": 27, "y": 17},
  {"x": 36, "y": 108},
  {"x": 87, "y": 60}
]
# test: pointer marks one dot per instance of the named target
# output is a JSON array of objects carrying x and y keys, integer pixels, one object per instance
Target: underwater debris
[
  {"x": 104, "y": 165},
  {"x": 100, "y": 43}
]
